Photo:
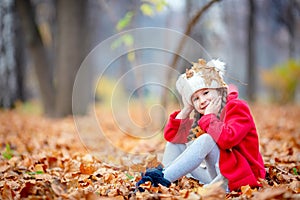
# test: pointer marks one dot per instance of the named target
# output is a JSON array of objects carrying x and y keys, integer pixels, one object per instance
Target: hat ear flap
[
  {"x": 180, "y": 83},
  {"x": 183, "y": 87}
]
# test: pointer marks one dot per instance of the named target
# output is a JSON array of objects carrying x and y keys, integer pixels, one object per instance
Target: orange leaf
[
  {"x": 87, "y": 168},
  {"x": 246, "y": 190}
]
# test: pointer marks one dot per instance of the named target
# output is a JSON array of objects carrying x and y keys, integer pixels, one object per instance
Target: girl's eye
[
  {"x": 196, "y": 98},
  {"x": 206, "y": 92}
]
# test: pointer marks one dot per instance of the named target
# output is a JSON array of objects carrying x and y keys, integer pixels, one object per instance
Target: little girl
[{"x": 222, "y": 134}]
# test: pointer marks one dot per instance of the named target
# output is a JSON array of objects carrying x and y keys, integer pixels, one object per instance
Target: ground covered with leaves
[{"x": 46, "y": 159}]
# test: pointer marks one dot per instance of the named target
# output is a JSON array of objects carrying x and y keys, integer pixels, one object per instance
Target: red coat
[{"x": 240, "y": 160}]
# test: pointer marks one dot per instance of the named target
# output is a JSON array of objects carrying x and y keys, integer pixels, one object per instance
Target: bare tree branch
[
  {"x": 250, "y": 52},
  {"x": 187, "y": 32},
  {"x": 189, "y": 29}
]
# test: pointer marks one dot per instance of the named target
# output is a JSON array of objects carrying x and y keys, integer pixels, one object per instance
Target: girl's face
[{"x": 203, "y": 97}]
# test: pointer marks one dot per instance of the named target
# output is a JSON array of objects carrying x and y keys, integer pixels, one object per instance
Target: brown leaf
[
  {"x": 52, "y": 161},
  {"x": 39, "y": 168},
  {"x": 270, "y": 193},
  {"x": 57, "y": 188},
  {"x": 295, "y": 186},
  {"x": 4, "y": 167},
  {"x": 87, "y": 168},
  {"x": 184, "y": 193},
  {"x": 138, "y": 168},
  {"x": 146, "y": 185},
  {"x": 113, "y": 192},
  {"x": 108, "y": 177},
  {"x": 7, "y": 192},
  {"x": 248, "y": 191},
  {"x": 213, "y": 191},
  {"x": 11, "y": 175},
  {"x": 28, "y": 189}
]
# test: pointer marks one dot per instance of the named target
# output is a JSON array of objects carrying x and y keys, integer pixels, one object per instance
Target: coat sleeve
[
  {"x": 177, "y": 130},
  {"x": 230, "y": 132}
]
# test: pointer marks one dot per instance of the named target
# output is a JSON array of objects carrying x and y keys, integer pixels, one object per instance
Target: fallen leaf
[
  {"x": 7, "y": 192},
  {"x": 87, "y": 168},
  {"x": 248, "y": 191}
]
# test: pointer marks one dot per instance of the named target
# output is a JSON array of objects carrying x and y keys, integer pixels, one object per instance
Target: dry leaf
[
  {"x": 7, "y": 192},
  {"x": 57, "y": 188},
  {"x": 213, "y": 191},
  {"x": 248, "y": 191},
  {"x": 50, "y": 160},
  {"x": 87, "y": 168},
  {"x": 270, "y": 193},
  {"x": 295, "y": 186},
  {"x": 39, "y": 168},
  {"x": 146, "y": 185}
]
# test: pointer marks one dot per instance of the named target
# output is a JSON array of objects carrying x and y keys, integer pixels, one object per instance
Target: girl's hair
[{"x": 223, "y": 92}]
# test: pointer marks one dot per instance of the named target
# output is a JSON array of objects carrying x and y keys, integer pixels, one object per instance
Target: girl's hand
[
  {"x": 186, "y": 110},
  {"x": 214, "y": 106},
  {"x": 186, "y": 106}
]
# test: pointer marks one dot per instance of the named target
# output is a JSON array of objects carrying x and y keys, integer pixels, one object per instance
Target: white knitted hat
[{"x": 201, "y": 75}]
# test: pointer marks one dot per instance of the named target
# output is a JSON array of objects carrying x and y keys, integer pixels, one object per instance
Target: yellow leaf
[
  {"x": 131, "y": 56},
  {"x": 246, "y": 190},
  {"x": 39, "y": 168},
  {"x": 147, "y": 9}
]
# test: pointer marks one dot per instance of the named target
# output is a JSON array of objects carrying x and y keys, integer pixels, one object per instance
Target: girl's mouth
[{"x": 203, "y": 108}]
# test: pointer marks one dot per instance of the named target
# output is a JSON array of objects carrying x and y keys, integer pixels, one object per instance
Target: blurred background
[{"x": 44, "y": 42}]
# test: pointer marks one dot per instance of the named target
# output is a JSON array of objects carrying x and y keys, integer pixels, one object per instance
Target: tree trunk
[
  {"x": 291, "y": 26},
  {"x": 8, "y": 69},
  {"x": 70, "y": 47},
  {"x": 37, "y": 50},
  {"x": 251, "y": 53},
  {"x": 20, "y": 62}
]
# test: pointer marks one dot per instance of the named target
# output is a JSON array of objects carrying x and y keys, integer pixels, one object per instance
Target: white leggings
[{"x": 182, "y": 159}]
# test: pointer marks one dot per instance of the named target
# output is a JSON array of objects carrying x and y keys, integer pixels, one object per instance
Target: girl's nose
[{"x": 202, "y": 100}]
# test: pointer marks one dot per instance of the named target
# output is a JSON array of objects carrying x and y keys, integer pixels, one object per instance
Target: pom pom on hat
[
  {"x": 219, "y": 65},
  {"x": 201, "y": 75}
]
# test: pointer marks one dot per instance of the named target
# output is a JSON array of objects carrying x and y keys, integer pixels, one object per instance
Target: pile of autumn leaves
[{"x": 43, "y": 158}]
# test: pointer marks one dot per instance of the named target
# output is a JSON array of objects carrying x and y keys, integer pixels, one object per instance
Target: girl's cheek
[{"x": 195, "y": 105}]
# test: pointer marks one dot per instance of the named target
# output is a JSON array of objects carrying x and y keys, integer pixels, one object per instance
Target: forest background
[{"x": 122, "y": 104}]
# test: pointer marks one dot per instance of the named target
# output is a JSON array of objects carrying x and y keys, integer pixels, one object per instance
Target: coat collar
[{"x": 232, "y": 92}]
